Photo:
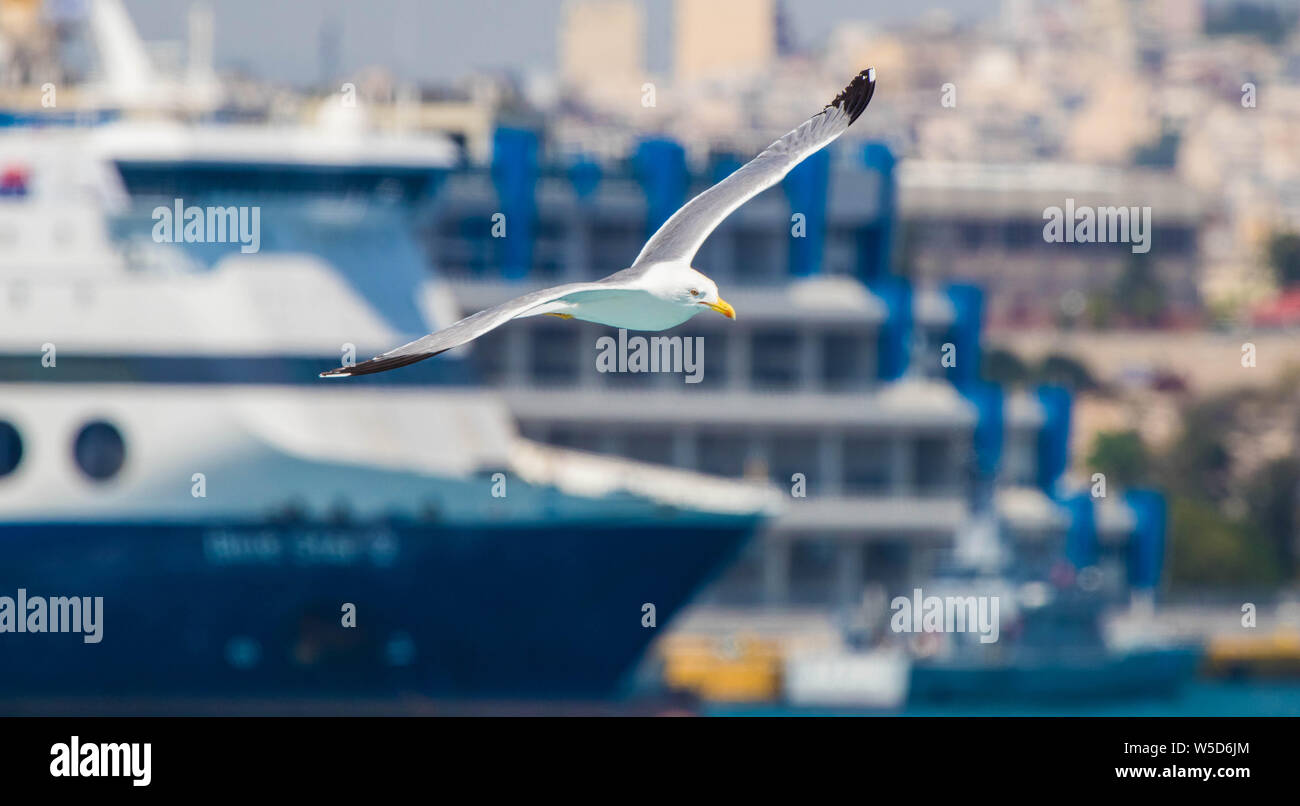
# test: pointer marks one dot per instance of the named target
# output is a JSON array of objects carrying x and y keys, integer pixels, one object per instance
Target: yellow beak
[{"x": 722, "y": 307}]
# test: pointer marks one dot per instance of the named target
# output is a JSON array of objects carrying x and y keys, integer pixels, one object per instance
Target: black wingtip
[
  {"x": 856, "y": 95},
  {"x": 379, "y": 364}
]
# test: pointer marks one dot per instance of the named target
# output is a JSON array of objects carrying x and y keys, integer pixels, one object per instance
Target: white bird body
[
  {"x": 660, "y": 290},
  {"x": 646, "y": 302}
]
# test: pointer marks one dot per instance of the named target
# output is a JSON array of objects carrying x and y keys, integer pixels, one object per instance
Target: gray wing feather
[
  {"x": 464, "y": 331},
  {"x": 682, "y": 235}
]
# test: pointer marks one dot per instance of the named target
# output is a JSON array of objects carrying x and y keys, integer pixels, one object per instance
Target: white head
[{"x": 686, "y": 286}]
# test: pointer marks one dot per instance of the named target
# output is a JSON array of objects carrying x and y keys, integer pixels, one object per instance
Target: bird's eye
[{"x": 695, "y": 292}]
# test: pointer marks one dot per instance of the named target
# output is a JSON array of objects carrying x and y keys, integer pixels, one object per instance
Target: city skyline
[{"x": 282, "y": 42}]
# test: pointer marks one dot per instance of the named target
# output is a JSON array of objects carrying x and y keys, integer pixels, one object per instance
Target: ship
[
  {"x": 165, "y": 446},
  {"x": 1053, "y": 646}
]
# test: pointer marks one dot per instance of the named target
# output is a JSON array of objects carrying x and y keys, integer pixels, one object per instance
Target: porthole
[
  {"x": 99, "y": 450},
  {"x": 11, "y": 448}
]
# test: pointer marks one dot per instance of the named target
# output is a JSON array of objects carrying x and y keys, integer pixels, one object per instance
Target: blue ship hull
[
  {"x": 449, "y": 611},
  {"x": 1138, "y": 673}
]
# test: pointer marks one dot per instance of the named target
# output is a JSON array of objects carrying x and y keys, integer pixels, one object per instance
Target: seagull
[{"x": 661, "y": 290}]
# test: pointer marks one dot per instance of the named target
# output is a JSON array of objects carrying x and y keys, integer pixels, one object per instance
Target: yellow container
[
  {"x": 745, "y": 670},
  {"x": 1273, "y": 655}
]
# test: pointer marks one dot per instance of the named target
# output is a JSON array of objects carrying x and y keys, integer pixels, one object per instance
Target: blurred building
[
  {"x": 984, "y": 224},
  {"x": 27, "y": 45},
  {"x": 602, "y": 49},
  {"x": 1194, "y": 98},
  {"x": 730, "y": 40}
]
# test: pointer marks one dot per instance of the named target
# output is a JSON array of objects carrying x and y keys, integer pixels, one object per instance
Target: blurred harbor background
[{"x": 920, "y": 392}]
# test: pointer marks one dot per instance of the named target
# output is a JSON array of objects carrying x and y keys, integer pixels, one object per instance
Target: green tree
[
  {"x": 1208, "y": 548},
  {"x": 1228, "y": 527},
  {"x": 1270, "y": 495},
  {"x": 1122, "y": 456},
  {"x": 1198, "y": 464},
  {"x": 1003, "y": 367},
  {"x": 1100, "y": 311},
  {"x": 1139, "y": 293},
  {"x": 1067, "y": 371}
]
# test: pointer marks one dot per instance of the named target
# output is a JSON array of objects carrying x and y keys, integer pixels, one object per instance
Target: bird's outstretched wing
[
  {"x": 681, "y": 236},
  {"x": 471, "y": 327}
]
